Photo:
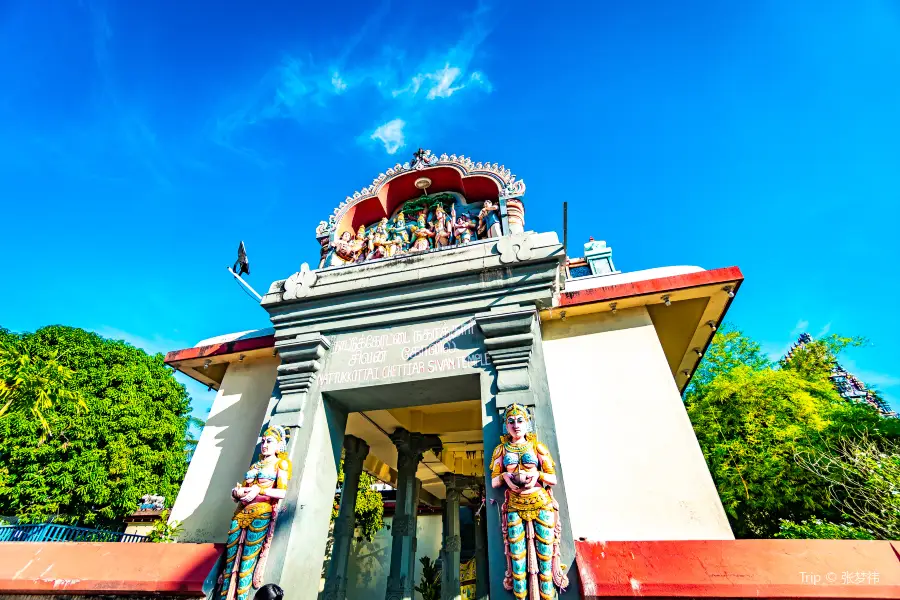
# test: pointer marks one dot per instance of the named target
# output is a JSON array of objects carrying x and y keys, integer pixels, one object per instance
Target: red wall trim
[
  {"x": 255, "y": 343},
  {"x": 660, "y": 285},
  {"x": 740, "y": 569},
  {"x": 110, "y": 568}
]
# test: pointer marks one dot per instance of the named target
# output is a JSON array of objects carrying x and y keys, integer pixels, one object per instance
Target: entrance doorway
[{"x": 444, "y": 416}]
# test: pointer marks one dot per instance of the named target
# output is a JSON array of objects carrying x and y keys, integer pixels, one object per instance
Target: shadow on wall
[{"x": 228, "y": 445}]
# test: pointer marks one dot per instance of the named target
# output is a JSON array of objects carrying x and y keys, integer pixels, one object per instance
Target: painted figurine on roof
[
  {"x": 489, "y": 220},
  {"x": 378, "y": 241},
  {"x": 358, "y": 244},
  {"x": 530, "y": 515},
  {"x": 441, "y": 228},
  {"x": 422, "y": 235},
  {"x": 342, "y": 250},
  {"x": 463, "y": 229}
]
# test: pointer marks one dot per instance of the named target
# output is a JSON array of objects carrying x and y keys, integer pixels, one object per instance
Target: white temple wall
[
  {"x": 634, "y": 468},
  {"x": 225, "y": 450}
]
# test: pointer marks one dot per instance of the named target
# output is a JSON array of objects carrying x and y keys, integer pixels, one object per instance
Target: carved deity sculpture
[
  {"x": 253, "y": 526},
  {"x": 421, "y": 234},
  {"x": 398, "y": 244},
  {"x": 378, "y": 241},
  {"x": 529, "y": 515},
  {"x": 489, "y": 220},
  {"x": 441, "y": 228},
  {"x": 463, "y": 228},
  {"x": 400, "y": 225},
  {"x": 358, "y": 244},
  {"x": 342, "y": 250}
]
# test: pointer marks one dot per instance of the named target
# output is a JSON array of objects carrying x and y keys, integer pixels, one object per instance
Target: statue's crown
[
  {"x": 516, "y": 410},
  {"x": 276, "y": 430}
]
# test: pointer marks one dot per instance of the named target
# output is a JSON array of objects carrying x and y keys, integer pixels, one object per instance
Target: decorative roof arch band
[{"x": 507, "y": 184}]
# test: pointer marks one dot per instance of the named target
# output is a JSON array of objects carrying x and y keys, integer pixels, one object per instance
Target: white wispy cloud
[
  {"x": 801, "y": 327},
  {"x": 824, "y": 331},
  {"x": 391, "y": 135},
  {"x": 437, "y": 84},
  {"x": 338, "y": 83},
  {"x": 382, "y": 83}
]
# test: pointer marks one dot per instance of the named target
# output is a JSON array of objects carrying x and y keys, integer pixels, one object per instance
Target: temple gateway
[{"x": 513, "y": 399}]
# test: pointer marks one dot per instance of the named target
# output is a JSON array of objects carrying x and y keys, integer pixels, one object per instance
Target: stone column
[
  {"x": 452, "y": 542},
  {"x": 317, "y": 428},
  {"x": 508, "y": 340},
  {"x": 482, "y": 574},
  {"x": 355, "y": 452},
  {"x": 299, "y": 366},
  {"x": 410, "y": 448}
]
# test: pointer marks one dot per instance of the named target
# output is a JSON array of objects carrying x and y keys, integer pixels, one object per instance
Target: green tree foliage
[
  {"x": 369, "y": 505},
  {"x": 750, "y": 425},
  {"x": 99, "y": 461},
  {"x": 165, "y": 532},
  {"x": 821, "y": 530},
  {"x": 864, "y": 475},
  {"x": 815, "y": 359},
  {"x": 194, "y": 425},
  {"x": 430, "y": 584},
  {"x": 754, "y": 421},
  {"x": 730, "y": 349},
  {"x": 32, "y": 381}
]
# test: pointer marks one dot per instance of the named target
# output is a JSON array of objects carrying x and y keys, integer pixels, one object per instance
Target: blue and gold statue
[
  {"x": 253, "y": 526},
  {"x": 529, "y": 515}
]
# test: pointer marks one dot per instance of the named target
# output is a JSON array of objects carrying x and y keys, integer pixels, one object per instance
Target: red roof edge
[
  {"x": 652, "y": 286},
  {"x": 739, "y": 569},
  {"x": 113, "y": 568},
  {"x": 233, "y": 347}
]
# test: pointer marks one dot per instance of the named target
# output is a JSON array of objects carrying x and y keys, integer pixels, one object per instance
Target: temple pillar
[
  {"x": 482, "y": 574},
  {"x": 508, "y": 340},
  {"x": 355, "y": 452},
  {"x": 297, "y": 372},
  {"x": 317, "y": 428},
  {"x": 452, "y": 542},
  {"x": 410, "y": 449}
]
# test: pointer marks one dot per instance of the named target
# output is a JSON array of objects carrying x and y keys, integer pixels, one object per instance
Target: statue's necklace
[
  {"x": 265, "y": 461},
  {"x": 517, "y": 448}
]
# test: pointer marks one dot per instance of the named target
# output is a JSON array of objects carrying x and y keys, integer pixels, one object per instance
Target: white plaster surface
[
  {"x": 633, "y": 467},
  {"x": 224, "y": 450},
  {"x": 596, "y": 281},
  {"x": 231, "y": 337},
  {"x": 315, "y": 465},
  {"x": 370, "y": 562}
]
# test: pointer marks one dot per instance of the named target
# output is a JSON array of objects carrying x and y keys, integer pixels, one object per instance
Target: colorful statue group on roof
[{"x": 433, "y": 228}]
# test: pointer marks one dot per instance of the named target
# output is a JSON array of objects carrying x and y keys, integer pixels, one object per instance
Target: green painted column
[
  {"x": 452, "y": 542},
  {"x": 410, "y": 449},
  {"x": 482, "y": 574},
  {"x": 355, "y": 452}
]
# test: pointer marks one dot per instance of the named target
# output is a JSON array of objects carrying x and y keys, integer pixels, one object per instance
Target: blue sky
[{"x": 139, "y": 142}]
